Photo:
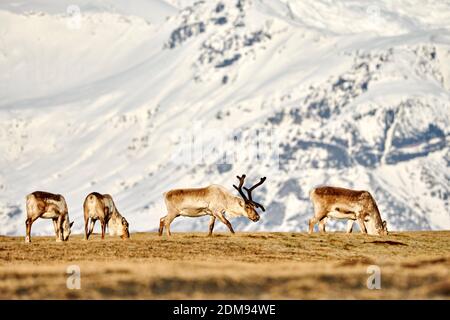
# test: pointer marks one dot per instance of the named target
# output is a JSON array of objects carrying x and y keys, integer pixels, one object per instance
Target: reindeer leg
[
  {"x": 59, "y": 235},
  {"x": 167, "y": 221},
  {"x": 55, "y": 225},
  {"x": 103, "y": 222},
  {"x": 91, "y": 227},
  {"x": 107, "y": 215},
  {"x": 161, "y": 225},
  {"x": 225, "y": 222},
  {"x": 350, "y": 226},
  {"x": 312, "y": 223},
  {"x": 28, "y": 224},
  {"x": 362, "y": 225},
  {"x": 86, "y": 228},
  {"x": 212, "y": 220},
  {"x": 322, "y": 224}
]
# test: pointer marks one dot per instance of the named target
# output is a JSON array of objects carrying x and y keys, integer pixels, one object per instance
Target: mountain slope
[{"x": 352, "y": 94}]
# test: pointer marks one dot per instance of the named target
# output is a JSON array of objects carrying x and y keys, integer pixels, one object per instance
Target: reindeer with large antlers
[{"x": 214, "y": 200}]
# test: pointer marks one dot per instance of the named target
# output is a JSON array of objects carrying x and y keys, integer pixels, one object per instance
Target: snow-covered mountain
[{"x": 135, "y": 98}]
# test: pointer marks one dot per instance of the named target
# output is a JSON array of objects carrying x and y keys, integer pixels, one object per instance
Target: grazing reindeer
[
  {"x": 48, "y": 206},
  {"x": 340, "y": 203},
  {"x": 101, "y": 207},
  {"x": 214, "y": 200}
]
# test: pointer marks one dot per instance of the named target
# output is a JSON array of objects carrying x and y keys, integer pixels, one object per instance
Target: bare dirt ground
[{"x": 414, "y": 265}]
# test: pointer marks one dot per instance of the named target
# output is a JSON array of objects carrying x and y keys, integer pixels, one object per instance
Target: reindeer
[
  {"x": 47, "y": 205},
  {"x": 214, "y": 201},
  {"x": 101, "y": 207},
  {"x": 340, "y": 203}
]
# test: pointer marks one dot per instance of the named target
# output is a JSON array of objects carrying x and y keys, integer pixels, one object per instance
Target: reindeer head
[
  {"x": 376, "y": 227},
  {"x": 249, "y": 205},
  {"x": 125, "y": 231},
  {"x": 67, "y": 225},
  {"x": 383, "y": 231},
  {"x": 118, "y": 226}
]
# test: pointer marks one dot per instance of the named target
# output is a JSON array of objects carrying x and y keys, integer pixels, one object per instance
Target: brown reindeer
[
  {"x": 213, "y": 200},
  {"x": 101, "y": 207},
  {"x": 340, "y": 203},
  {"x": 47, "y": 205}
]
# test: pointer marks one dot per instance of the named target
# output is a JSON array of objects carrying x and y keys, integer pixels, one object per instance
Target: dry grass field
[{"x": 244, "y": 266}]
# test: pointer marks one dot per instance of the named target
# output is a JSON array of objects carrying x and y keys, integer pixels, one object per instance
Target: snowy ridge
[{"x": 353, "y": 94}]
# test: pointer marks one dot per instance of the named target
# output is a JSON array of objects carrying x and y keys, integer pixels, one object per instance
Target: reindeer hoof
[
  {"x": 27, "y": 240},
  {"x": 59, "y": 240}
]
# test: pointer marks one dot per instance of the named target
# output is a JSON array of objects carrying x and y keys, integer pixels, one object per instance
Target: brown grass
[{"x": 244, "y": 266}]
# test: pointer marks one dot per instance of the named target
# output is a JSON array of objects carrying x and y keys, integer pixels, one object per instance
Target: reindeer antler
[
  {"x": 249, "y": 192},
  {"x": 239, "y": 189}
]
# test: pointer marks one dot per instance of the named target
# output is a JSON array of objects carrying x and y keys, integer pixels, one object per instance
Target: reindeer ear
[
  {"x": 124, "y": 221},
  {"x": 384, "y": 223},
  {"x": 71, "y": 224}
]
